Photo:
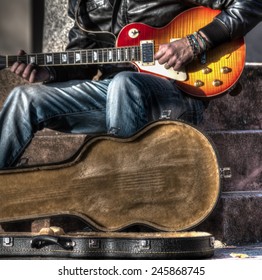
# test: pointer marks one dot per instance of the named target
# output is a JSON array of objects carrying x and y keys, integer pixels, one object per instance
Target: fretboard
[{"x": 95, "y": 56}]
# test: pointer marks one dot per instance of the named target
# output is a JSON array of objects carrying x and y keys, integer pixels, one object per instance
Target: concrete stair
[{"x": 234, "y": 123}]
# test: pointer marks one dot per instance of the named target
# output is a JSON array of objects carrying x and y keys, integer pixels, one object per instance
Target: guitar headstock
[{"x": 2, "y": 62}]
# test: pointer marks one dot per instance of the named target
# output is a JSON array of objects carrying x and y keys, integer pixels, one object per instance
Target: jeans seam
[{"x": 68, "y": 114}]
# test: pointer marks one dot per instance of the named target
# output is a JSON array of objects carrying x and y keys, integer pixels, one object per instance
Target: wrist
[
  {"x": 199, "y": 45},
  {"x": 51, "y": 75}
]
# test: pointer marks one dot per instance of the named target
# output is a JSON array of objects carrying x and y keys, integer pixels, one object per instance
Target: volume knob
[
  {"x": 225, "y": 70},
  {"x": 206, "y": 70},
  {"x": 217, "y": 83},
  {"x": 198, "y": 83}
]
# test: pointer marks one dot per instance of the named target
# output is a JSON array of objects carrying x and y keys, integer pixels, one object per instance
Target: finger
[
  {"x": 28, "y": 70},
  {"x": 167, "y": 53},
  {"x": 32, "y": 77},
  {"x": 163, "y": 59},
  {"x": 172, "y": 62},
  {"x": 20, "y": 69},
  {"x": 21, "y": 52},
  {"x": 14, "y": 66},
  {"x": 161, "y": 52},
  {"x": 167, "y": 65}
]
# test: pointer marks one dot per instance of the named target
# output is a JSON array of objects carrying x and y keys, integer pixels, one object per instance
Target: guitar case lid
[{"x": 165, "y": 177}]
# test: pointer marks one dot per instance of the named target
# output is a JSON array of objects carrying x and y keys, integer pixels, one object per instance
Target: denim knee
[
  {"x": 21, "y": 97},
  {"x": 126, "y": 104}
]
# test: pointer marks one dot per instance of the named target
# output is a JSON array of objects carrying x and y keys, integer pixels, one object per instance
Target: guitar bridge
[{"x": 147, "y": 52}]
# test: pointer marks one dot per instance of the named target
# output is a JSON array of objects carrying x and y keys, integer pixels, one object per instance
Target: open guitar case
[{"x": 133, "y": 198}]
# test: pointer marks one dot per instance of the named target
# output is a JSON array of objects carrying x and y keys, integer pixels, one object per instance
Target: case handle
[{"x": 41, "y": 241}]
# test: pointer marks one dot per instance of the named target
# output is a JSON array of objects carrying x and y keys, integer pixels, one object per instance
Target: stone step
[
  {"x": 242, "y": 152},
  {"x": 236, "y": 219},
  {"x": 47, "y": 147},
  {"x": 242, "y": 108}
]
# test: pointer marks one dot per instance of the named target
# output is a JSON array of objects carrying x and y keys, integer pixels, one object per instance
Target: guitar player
[{"x": 116, "y": 98}]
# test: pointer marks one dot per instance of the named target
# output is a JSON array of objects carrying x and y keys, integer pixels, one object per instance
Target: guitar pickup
[{"x": 147, "y": 52}]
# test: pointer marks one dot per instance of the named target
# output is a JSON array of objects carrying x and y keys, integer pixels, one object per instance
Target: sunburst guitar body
[{"x": 224, "y": 64}]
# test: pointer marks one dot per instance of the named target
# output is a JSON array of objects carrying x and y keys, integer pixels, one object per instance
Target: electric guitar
[{"x": 137, "y": 44}]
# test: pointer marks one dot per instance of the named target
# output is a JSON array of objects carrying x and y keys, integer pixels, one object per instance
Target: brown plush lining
[{"x": 166, "y": 176}]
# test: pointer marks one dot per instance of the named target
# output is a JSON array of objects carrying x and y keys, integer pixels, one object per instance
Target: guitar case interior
[{"x": 132, "y": 198}]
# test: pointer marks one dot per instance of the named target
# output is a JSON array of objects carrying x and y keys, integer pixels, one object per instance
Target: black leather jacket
[{"x": 237, "y": 17}]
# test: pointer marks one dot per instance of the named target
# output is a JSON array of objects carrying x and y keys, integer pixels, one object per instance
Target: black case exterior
[{"x": 83, "y": 247}]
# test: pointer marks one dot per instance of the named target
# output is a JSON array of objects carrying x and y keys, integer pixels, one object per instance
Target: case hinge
[
  {"x": 144, "y": 245},
  {"x": 212, "y": 241},
  {"x": 94, "y": 244},
  {"x": 8, "y": 241},
  {"x": 225, "y": 173}
]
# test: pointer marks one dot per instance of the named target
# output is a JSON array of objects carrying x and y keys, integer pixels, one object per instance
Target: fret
[
  {"x": 71, "y": 57},
  {"x": 11, "y": 60},
  {"x": 89, "y": 56},
  {"x": 32, "y": 59},
  {"x": 49, "y": 60},
  {"x": 95, "y": 56},
  {"x": 22, "y": 58},
  {"x": 56, "y": 57},
  {"x": 123, "y": 54},
  {"x": 77, "y": 57},
  {"x": 110, "y": 55},
  {"x": 138, "y": 55},
  {"x": 118, "y": 54},
  {"x": 64, "y": 58},
  {"x": 3, "y": 62},
  {"x": 132, "y": 54},
  {"x": 100, "y": 56},
  {"x": 41, "y": 59},
  {"x": 114, "y": 55},
  {"x": 126, "y": 53},
  {"x": 84, "y": 57},
  {"x": 105, "y": 55}
]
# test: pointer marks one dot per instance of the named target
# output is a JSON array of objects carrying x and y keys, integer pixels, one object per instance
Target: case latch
[
  {"x": 225, "y": 173},
  {"x": 212, "y": 241}
]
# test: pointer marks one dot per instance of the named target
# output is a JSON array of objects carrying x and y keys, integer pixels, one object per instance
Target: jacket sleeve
[{"x": 236, "y": 19}]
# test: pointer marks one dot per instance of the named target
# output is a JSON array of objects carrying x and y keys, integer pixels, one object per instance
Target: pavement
[{"x": 247, "y": 251}]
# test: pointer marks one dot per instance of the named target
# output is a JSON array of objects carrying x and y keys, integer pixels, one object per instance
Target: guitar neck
[{"x": 78, "y": 57}]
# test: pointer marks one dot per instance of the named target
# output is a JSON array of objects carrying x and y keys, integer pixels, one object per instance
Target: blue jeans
[{"x": 119, "y": 106}]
